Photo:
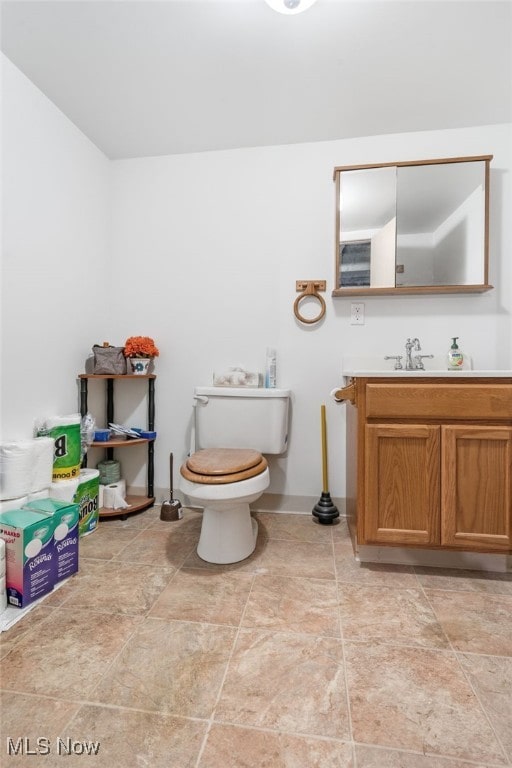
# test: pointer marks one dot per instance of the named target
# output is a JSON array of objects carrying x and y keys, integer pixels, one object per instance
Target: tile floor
[{"x": 297, "y": 657}]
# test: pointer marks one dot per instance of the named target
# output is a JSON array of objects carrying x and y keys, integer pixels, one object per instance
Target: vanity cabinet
[{"x": 429, "y": 462}]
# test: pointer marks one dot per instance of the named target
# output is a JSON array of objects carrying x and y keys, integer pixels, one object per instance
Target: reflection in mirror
[
  {"x": 367, "y": 243},
  {"x": 415, "y": 227},
  {"x": 441, "y": 224}
]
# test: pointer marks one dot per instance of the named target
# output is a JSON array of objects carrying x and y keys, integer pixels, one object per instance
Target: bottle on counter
[
  {"x": 455, "y": 357},
  {"x": 271, "y": 369}
]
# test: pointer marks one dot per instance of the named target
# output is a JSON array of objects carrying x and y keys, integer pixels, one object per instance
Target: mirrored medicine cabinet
[{"x": 413, "y": 227}]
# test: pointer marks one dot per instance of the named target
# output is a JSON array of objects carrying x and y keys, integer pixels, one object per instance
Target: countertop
[{"x": 374, "y": 367}]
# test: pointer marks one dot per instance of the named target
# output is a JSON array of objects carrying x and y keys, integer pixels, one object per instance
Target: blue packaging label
[
  {"x": 455, "y": 359},
  {"x": 64, "y": 541}
]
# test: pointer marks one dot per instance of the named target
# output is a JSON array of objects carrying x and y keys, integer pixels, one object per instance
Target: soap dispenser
[{"x": 455, "y": 356}]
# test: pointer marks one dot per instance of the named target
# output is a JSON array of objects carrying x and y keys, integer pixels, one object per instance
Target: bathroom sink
[{"x": 434, "y": 368}]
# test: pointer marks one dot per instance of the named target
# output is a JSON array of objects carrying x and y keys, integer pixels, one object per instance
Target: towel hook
[{"x": 309, "y": 289}]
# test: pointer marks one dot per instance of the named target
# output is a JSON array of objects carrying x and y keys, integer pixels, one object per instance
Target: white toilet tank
[{"x": 229, "y": 417}]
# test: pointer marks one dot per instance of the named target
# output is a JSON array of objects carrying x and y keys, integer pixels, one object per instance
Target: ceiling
[{"x": 144, "y": 78}]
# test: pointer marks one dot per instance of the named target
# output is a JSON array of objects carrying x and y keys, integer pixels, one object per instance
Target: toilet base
[{"x": 228, "y": 534}]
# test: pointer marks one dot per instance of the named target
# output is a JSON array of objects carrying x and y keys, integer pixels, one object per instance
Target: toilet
[{"x": 228, "y": 471}]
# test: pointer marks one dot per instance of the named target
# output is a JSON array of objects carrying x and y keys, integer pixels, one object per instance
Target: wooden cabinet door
[
  {"x": 402, "y": 479},
  {"x": 477, "y": 487}
]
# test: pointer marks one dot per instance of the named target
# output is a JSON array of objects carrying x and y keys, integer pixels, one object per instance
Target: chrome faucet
[
  {"x": 411, "y": 344},
  {"x": 414, "y": 363},
  {"x": 398, "y": 358},
  {"x": 418, "y": 362},
  {"x": 411, "y": 363}
]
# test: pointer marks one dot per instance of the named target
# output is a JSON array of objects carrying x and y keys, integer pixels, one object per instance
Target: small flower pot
[{"x": 140, "y": 365}]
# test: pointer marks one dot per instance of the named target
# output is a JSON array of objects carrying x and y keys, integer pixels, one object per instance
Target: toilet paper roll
[
  {"x": 16, "y": 469},
  {"x": 6, "y": 506},
  {"x": 121, "y": 487},
  {"x": 112, "y": 497},
  {"x": 44, "y": 494},
  {"x": 64, "y": 490},
  {"x": 42, "y": 463}
]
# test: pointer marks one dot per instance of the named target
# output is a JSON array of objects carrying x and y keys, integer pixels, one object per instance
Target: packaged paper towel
[
  {"x": 64, "y": 490},
  {"x": 87, "y": 498},
  {"x": 65, "y": 431}
]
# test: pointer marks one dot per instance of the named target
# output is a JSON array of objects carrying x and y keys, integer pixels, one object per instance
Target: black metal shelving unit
[{"x": 137, "y": 503}]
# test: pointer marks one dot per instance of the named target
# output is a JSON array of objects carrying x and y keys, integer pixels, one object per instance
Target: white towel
[{"x": 236, "y": 377}]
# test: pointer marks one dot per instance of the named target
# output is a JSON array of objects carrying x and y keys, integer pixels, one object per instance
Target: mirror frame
[{"x": 398, "y": 290}]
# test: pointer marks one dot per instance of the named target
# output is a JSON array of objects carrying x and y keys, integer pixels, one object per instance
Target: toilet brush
[
  {"x": 172, "y": 509},
  {"x": 324, "y": 509}
]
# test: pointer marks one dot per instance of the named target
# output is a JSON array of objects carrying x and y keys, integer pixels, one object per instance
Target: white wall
[
  {"x": 462, "y": 231},
  {"x": 206, "y": 251},
  {"x": 383, "y": 258},
  {"x": 202, "y": 252},
  {"x": 56, "y": 270}
]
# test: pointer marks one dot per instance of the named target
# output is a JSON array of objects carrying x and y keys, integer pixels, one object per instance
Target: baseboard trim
[
  {"x": 269, "y": 502},
  {"x": 435, "y": 558},
  {"x": 298, "y": 505}
]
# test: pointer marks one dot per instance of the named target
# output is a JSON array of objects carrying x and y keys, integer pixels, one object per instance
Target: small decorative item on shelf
[
  {"x": 140, "y": 365},
  {"x": 140, "y": 350},
  {"x": 108, "y": 360}
]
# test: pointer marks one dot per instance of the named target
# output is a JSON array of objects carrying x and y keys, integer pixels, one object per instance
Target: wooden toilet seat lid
[{"x": 223, "y": 465}]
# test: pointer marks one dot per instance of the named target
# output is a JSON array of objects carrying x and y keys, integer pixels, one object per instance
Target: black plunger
[{"x": 324, "y": 510}]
